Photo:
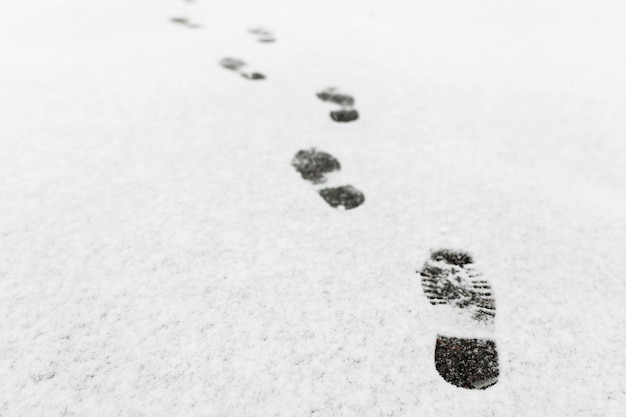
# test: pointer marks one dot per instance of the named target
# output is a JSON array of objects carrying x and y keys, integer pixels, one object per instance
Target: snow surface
[{"x": 159, "y": 255}]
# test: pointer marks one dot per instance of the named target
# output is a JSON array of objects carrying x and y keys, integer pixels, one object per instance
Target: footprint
[
  {"x": 313, "y": 165},
  {"x": 185, "y": 22},
  {"x": 450, "y": 280},
  {"x": 347, "y": 112},
  {"x": 263, "y": 35},
  {"x": 236, "y": 65}
]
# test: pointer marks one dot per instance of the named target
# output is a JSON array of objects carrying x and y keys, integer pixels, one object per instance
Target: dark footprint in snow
[
  {"x": 467, "y": 363},
  {"x": 185, "y": 22},
  {"x": 449, "y": 278},
  {"x": 237, "y": 65},
  {"x": 263, "y": 35},
  {"x": 345, "y": 196},
  {"x": 450, "y": 281},
  {"x": 347, "y": 112},
  {"x": 312, "y": 165}
]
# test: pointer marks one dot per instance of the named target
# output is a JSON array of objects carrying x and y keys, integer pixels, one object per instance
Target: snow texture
[{"x": 160, "y": 257}]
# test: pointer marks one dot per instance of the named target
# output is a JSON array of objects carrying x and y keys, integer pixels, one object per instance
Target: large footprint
[
  {"x": 450, "y": 281},
  {"x": 347, "y": 112},
  {"x": 237, "y": 66},
  {"x": 312, "y": 165}
]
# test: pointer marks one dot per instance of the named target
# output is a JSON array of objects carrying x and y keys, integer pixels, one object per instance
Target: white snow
[{"x": 159, "y": 255}]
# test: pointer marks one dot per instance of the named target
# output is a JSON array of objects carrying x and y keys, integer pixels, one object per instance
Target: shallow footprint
[
  {"x": 263, "y": 35},
  {"x": 347, "y": 112},
  {"x": 449, "y": 280},
  {"x": 185, "y": 22},
  {"x": 313, "y": 164},
  {"x": 346, "y": 196},
  {"x": 237, "y": 65}
]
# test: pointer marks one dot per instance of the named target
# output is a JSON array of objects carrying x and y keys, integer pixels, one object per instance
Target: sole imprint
[
  {"x": 237, "y": 65},
  {"x": 313, "y": 165},
  {"x": 449, "y": 280},
  {"x": 347, "y": 113},
  {"x": 467, "y": 363}
]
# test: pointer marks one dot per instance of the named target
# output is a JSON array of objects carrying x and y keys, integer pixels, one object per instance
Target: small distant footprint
[
  {"x": 263, "y": 35},
  {"x": 347, "y": 112},
  {"x": 313, "y": 164},
  {"x": 185, "y": 22},
  {"x": 450, "y": 280},
  {"x": 237, "y": 65}
]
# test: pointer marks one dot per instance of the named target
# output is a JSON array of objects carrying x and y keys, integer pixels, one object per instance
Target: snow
[{"x": 160, "y": 256}]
